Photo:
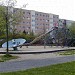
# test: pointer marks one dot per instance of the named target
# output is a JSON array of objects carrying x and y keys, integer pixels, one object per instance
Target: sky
[{"x": 64, "y": 8}]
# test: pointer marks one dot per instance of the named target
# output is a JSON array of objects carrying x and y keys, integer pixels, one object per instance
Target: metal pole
[
  {"x": 44, "y": 38},
  {"x": 7, "y": 29}
]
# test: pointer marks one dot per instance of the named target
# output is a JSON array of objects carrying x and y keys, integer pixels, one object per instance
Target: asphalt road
[{"x": 32, "y": 63}]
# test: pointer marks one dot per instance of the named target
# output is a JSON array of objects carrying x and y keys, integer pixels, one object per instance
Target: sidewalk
[{"x": 36, "y": 49}]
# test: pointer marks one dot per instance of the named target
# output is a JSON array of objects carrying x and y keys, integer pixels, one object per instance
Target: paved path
[
  {"x": 32, "y": 63},
  {"x": 35, "y": 49}
]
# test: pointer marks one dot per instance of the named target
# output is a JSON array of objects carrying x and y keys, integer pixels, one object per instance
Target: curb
[{"x": 40, "y": 52}]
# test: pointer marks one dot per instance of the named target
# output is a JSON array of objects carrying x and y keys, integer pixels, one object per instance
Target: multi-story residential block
[
  {"x": 62, "y": 23},
  {"x": 37, "y": 22},
  {"x": 65, "y": 23},
  {"x": 69, "y": 22},
  {"x": 25, "y": 24},
  {"x": 54, "y": 20}
]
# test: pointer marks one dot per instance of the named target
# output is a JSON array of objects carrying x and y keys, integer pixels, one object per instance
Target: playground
[
  {"x": 39, "y": 52},
  {"x": 35, "y": 56},
  {"x": 57, "y": 39},
  {"x": 36, "y": 49}
]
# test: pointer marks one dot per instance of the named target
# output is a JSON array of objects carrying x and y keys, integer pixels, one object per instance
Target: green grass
[
  {"x": 59, "y": 69},
  {"x": 7, "y": 57},
  {"x": 69, "y": 52}
]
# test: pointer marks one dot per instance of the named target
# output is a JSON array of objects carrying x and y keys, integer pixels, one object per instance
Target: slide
[{"x": 39, "y": 37}]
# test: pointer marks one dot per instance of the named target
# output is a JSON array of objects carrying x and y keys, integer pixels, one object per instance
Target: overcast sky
[{"x": 64, "y": 8}]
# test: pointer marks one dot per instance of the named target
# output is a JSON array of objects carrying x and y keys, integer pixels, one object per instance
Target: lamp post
[
  {"x": 44, "y": 37},
  {"x": 7, "y": 29}
]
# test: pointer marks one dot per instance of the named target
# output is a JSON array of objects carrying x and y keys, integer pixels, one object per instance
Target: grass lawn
[
  {"x": 59, "y": 69},
  {"x": 69, "y": 52},
  {"x": 7, "y": 57}
]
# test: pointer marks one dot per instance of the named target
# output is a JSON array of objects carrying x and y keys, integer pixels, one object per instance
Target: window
[
  {"x": 43, "y": 19},
  {"x": 28, "y": 27},
  {"x": 23, "y": 17},
  {"x": 28, "y": 13},
  {"x": 51, "y": 22},
  {"x": 33, "y": 15},
  {"x": 33, "y": 20},
  {"x": 23, "y": 22},
  {"x": 47, "y": 20},
  {"x": 36, "y": 18},
  {"x": 40, "y": 14},
  {"x": 36, "y": 27},
  {"x": 23, "y": 26},
  {"x": 14, "y": 11},
  {"x": 40, "y": 19},
  {"x": 43, "y": 15},
  {"x": 28, "y": 22},
  {"x": 47, "y": 15},
  {"x": 23, "y": 12},
  {"x": 36, "y": 14},
  {"x": 33, "y": 24},
  {"x": 57, "y": 16},
  {"x": 37, "y": 24},
  {"x": 53, "y": 16},
  {"x": 28, "y": 18}
]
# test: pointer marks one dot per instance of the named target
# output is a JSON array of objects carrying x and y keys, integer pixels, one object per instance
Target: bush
[{"x": 72, "y": 30}]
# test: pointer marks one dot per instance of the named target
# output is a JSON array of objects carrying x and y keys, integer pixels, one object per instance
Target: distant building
[
  {"x": 65, "y": 23},
  {"x": 37, "y": 22},
  {"x": 69, "y": 22}
]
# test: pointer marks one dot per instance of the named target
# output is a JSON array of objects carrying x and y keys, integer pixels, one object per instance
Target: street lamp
[
  {"x": 7, "y": 28},
  {"x": 44, "y": 36}
]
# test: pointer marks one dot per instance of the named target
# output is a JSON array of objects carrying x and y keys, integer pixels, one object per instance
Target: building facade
[
  {"x": 37, "y": 22},
  {"x": 65, "y": 23}
]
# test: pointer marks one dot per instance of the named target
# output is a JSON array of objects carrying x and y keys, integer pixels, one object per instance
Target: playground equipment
[
  {"x": 56, "y": 36},
  {"x": 14, "y": 43}
]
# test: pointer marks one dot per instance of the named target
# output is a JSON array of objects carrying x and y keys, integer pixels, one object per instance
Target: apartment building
[
  {"x": 40, "y": 22},
  {"x": 37, "y": 22},
  {"x": 65, "y": 23},
  {"x": 25, "y": 24}
]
